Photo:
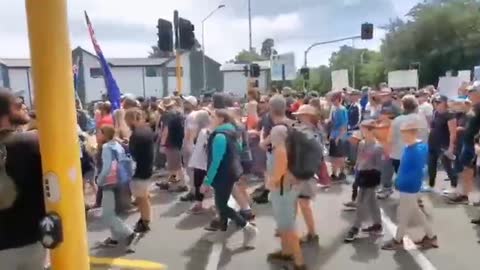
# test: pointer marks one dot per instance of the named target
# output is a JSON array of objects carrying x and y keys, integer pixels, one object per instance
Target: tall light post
[{"x": 203, "y": 46}]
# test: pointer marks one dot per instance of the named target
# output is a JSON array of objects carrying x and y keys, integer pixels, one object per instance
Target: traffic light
[
  {"x": 305, "y": 71},
  {"x": 185, "y": 33},
  {"x": 367, "y": 31},
  {"x": 165, "y": 35},
  {"x": 245, "y": 70},
  {"x": 254, "y": 70}
]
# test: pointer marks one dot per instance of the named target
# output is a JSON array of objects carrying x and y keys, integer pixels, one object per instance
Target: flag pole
[{"x": 54, "y": 99}]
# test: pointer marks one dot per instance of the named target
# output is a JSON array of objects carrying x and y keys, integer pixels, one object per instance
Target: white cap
[{"x": 192, "y": 100}]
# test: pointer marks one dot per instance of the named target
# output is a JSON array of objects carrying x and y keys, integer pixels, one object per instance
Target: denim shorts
[
  {"x": 467, "y": 156},
  {"x": 285, "y": 208}
]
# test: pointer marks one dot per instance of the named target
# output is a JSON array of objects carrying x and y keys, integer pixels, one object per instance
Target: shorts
[
  {"x": 338, "y": 150},
  {"x": 284, "y": 208},
  {"x": 247, "y": 167},
  {"x": 307, "y": 189},
  {"x": 269, "y": 162},
  {"x": 140, "y": 187},
  {"x": 30, "y": 257},
  {"x": 467, "y": 157},
  {"x": 174, "y": 159}
]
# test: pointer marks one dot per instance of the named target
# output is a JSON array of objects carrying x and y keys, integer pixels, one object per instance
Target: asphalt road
[{"x": 177, "y": 239}]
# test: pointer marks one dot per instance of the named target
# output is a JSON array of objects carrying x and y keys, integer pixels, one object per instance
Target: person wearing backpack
[
  {"x": 141, "y": 148},
  {"x": 108, "y": 179},
  {"x": 307, "y": 117},
  {"x": 224, "y": 169},
  {"x": 284, "y": 191},
  {"x": 276, "y": 116},
  {"x": 21, "y": 189}
]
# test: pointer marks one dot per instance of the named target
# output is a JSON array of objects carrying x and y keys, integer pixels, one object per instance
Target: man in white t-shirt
[
  {"x": 189, "y": 106},
  {"x": 425, "y": 108}
]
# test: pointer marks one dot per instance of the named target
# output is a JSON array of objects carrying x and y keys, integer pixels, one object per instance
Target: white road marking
[
  {"x": 410, "y": 247},
  {"x": 217, "y": 248}
]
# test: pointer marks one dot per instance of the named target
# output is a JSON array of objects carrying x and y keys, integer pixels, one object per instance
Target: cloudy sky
[{"x": 127, "y": 28}]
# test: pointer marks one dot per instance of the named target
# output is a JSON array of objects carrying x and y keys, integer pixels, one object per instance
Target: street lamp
[{"x": 203, "y": 46}]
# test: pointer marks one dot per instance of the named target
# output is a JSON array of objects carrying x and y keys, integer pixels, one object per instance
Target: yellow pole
[
  {"x": 178, "y": 63},
  {"x": 54, "y": 101}
]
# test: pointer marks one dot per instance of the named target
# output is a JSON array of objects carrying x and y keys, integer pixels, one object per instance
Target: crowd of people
[{"x": 383, "y": 139}]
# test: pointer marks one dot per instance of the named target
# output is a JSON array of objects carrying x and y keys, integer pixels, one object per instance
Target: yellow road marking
[{"x": 135, "y": 264}]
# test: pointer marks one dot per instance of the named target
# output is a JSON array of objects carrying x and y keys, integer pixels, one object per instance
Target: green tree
[
  {"x": 247, "y": 56},
  {"x": 441, "y": 35},
  {"x": 267, "y": 48},
  {"x": 369, "y": 67}
]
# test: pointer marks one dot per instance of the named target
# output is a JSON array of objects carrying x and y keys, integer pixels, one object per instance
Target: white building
[
  {"x": 139, "y": 76},
  {"x": 236, "y": 82}
]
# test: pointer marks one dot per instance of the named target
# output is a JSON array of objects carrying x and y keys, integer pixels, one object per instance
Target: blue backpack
[{"x": 125, "y": 167}]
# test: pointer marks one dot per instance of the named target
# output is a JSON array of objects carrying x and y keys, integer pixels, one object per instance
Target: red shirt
[
  {"x": 295, "y": 106},
  {"x": 105, "y": 120}
]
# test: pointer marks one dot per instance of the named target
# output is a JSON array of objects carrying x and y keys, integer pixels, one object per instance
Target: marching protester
[
  {"x": 198, "y": 160},
  {"x": 190, "y": 135},
  {"x": 141, "y": 148},
  {"x": 21, "y": 191},
  {"x": 306, "y": 115},
  {"x": 368, "y": 175},
  {"x": 409, "y": 183},
  {"x": 108, "y": 178},
  {"x": 224, "y": 169},
  {"x": 339, "y": 124},
  {"x": 441, "y": 142}
]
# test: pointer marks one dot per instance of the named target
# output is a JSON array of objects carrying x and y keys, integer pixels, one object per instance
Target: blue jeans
[{"x": 118, "y": 229}]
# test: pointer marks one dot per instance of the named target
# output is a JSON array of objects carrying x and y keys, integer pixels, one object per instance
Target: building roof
[
  {"x": 121, "y": 62},
  {"x": 16, "y": 62},
  {"x": 264, "y": 65},
  {"x": 137, "y": 61}
]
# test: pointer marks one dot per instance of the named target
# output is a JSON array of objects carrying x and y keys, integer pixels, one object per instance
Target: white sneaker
[{"x": 249, "y": 236}]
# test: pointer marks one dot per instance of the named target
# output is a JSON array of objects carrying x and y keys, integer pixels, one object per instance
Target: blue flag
[{"x": 113, "y": 91}]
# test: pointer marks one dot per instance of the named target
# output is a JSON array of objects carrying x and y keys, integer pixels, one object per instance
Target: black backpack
[{"x": 304, "y": 152}]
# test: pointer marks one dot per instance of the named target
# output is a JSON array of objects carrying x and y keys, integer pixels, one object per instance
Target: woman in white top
[{"x": 198, "y": 159}]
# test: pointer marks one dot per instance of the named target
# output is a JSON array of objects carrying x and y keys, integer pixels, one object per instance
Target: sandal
[
  {"x": 393, "y": 245},
  {"x": 279, "y": 256}
]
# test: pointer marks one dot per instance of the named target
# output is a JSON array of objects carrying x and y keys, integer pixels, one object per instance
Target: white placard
[
  {"x": 403, "y": 78},
  {"x": 448, "y": 86},
  {"x": 340, "y": 79},
  {"x": 465, "y": 75},
  {"x": 283, "y": 61}
]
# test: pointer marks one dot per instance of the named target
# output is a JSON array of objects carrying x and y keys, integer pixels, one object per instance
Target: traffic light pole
[
  {"x": 178, "y": 70},
  {"x": 54, "y": 100},
  {"x": 323, "y": 43}
]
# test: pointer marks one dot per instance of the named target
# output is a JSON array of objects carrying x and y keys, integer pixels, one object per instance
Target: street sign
[{"x": 283, "y": 67}]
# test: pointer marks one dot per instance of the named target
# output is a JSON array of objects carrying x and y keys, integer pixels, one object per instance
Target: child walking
[
  {"x": 409, "y": 183},
  {"x": 368, "y": 176}
]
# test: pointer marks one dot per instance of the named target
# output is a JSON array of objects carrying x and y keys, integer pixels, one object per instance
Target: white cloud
[{"x": 127, "y": 28}]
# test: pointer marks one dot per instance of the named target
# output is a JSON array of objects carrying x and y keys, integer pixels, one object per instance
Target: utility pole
[
  {"x": 353, "y": 64},
  {"x": 204, "y": 66},
  {"x": 62, "y": 179},
  {"x": 250, "y": 47}
]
